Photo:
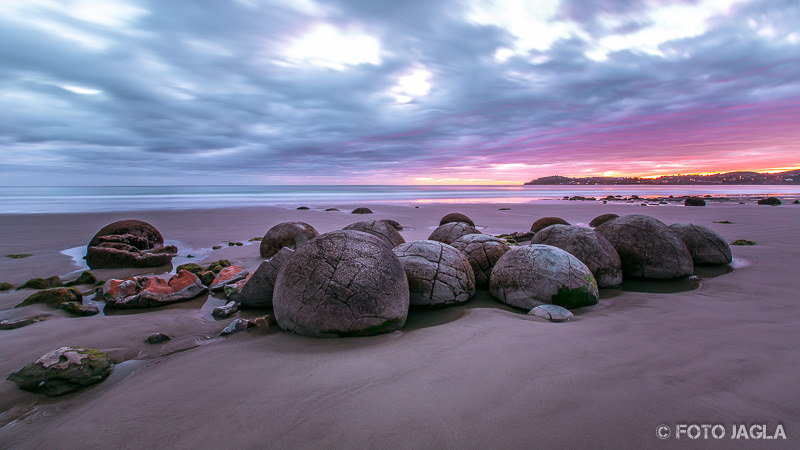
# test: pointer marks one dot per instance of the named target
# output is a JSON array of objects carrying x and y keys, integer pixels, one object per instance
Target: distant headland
[{"x": 788, "y": 177}]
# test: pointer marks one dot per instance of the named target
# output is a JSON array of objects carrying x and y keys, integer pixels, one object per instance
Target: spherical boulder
[
  {"x": 704, "y": 244},
  {"x": 601, "y": 219},
  {"x": 647, "y": 248},
  {"x": 380, "y": 228},
  {"x": 694, "y": 201},
  {"x": 438, "y": 274},
  {"x": 143, "y": 235},
  {"x": 545, "y": 222},
  {"x": 538, "y": 274},
  {"x": 588, "y": 246},
  {"x": 342, "y": 283},
  {"x": 456, "y": 217},
  {"x": 286, "y": 234},
  {"x": 482, "y": 252},
  {"x": 449, "y": 232},
  {"x": 128, "y": 243}
]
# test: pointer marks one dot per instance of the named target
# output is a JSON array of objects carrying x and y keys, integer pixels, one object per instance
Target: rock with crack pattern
[
  {"x": 63, "y": 370},
  {"x": 438, "y": 274},
  {"x": 482, "y": 252},
  {"x": 647, "y": 248},
  {"x": 449, "y": 232},
  {"x": 588, "y": 246},
  {"x": 379, "y": 228},
  {"x": 703, "y": 243},
  {"x": 538, "y": 274},
  {"x": 256, "y": 291},
  {"x": 286, "y": 234},
  {"x": 342, "y": 283},
  {"x": 128, "y": 243}
]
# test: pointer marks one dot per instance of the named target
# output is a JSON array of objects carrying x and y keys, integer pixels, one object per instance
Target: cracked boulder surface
[
  {"x": 601, "y": 219},
  {"x": 449, "y": 232},
  {"x": 482, "y": 252},
  {"x": 588, "y": 246},
  {"x": 257, "y": 291},
  {"x": 438, "y": 274},
  {"x": 342, "y": 283},
  {"x": 379, "y": 228},
  {"x": 286, "y": 234},
  {"x": 456, "y": 217},
  {"x": 545, "y": 222},
  {"x": 647, "y": 248},
  {"x": 63, "y": 370},
  {"x": 529, "y": 276},
  {"x": 128, "y": 243},
  {"x": 704, "y": 244}
]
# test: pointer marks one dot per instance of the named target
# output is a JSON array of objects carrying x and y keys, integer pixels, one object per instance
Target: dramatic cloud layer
[{"x": 387, "y": 91}]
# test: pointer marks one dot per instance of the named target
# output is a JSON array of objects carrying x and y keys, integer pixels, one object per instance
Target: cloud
[{"x": 391, "y": 92}]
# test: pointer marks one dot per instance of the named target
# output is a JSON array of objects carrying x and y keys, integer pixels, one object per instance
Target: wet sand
[{"x": 480, "y": 375}]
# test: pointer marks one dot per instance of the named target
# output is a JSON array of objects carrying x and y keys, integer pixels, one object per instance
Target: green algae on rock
[
  {"x": 53, "y": 297},
  {"x": 63, "y": 370}
]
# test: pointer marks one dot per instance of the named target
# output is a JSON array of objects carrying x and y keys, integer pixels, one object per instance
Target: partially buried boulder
[
  {"x": 286, "y": 234},
  {"x": 772, "y": 201},
  {"x": 143, "y": 292},
  {"x": 449, "y": 232},
  {"x": 257, "y": 291},
  {"x": 63, "y": 370},
  {"x": 694, "y": 201},
  {"x": 342, "y": 283},
  {"x": 588, "y": 246},
  {"x": 533, "y": 275},
  {"x": 395, "y": 224},
  {"x": 601, "y": 219},
  {"x": 456, "y": 217},
  {"x": 379, "y": 228},
  {"x": 42, "y": 283},
  {"x": 545, "y": 222},
  {"x": 704, "y": 244},
  {"x": 128, "y": 243},
  {"x": 482, "y": 252},
  {"x": 361, "y": 210},
  {"x": 437, "y": 273},
  {"x": 553, "y": 313},
  {"x": 53, "y": 297},
  {"x": 647, "y": 248}
]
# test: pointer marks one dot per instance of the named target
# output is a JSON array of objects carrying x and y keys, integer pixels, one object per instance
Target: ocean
[{"x": 72, "y": 199}]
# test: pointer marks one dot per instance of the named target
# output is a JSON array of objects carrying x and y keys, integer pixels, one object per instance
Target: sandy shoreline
[{"x": 476, "y": 377}]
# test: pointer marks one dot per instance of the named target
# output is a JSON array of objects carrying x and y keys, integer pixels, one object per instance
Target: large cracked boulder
[
  {"x": 380, "y": 228},
  {"x": 529, "y": 276},
  {"x": 286, "y": 234},
  {"x": 449, "y": 232},
  {"x": 482, "y": 252},
  {"x": 257, "y": 290},
  {"x": 63, "y": 370},
  {"x": 128, "y": 244},
  {"x": 438, "y": 274},
  {"x": 545, "y": 222},
  {"x": 647, "y": 248},
  {"x": 703, "y": 243},
  {"x": 342, "y": 283},
  {"x": 588, "y": 246},
  {"x": 144, "y": 292},
  {"x": 456, "y": 217}
]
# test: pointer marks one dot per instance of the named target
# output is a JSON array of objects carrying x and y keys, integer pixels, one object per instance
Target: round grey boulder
[
  {"x": 703, "y": 243},
  {"x": 379, "y": 228},
  {"x": 647, "y": 248},
  {"x": 342, "y": 283},
  {"x": 587, "y": 245},
  {"x": 438, "y": 274},
  {"x": 456, "y": 217},
  {"x": 482, "y": 252},
  {"x": 538, "y": 274},
  {"x": 553, "y": 313},
  {"x": 449, "y": 232},
  {"x": 286, "y": 234}
]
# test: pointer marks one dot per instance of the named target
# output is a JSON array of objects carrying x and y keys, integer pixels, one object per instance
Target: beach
[{"x": 476, "y": 376}]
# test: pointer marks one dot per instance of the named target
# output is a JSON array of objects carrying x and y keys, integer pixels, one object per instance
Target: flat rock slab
[{"x": 63, "y": 370}]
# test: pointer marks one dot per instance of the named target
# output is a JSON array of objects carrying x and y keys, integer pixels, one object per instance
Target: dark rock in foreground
[
  {"x": 437, "y": 273},
  {"x": 156, "y": 338},
  {"x": 703, "y": 243},
  {"x": 64, "y": 370},
  {"x": 342, "y": 283},
  {"x": 286, "y": 234},
  {"x": 588, "y": 246},
  {"x": 257, "y": 290},
  {"x": 647, "y": 248}
]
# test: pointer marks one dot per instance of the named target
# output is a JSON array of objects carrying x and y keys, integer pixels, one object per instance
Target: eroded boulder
[
  {"x": 143, "y": 292},
  {"x": 647, "y": 248},
  {"x": 286, "y": 234},
  {"x": 704, "y": 244},
  {"x": 379, "y": 228},
  {"x": 449, "y": 232},
  {"x": 228, "y": 277},
  {"x": 456, "y": 217},
  {"x": 482, "y": 252},
  {"x": 342, "y": 283},
  {"x": 588, "y": 246},
  {"x": 128, "y": 243},
  {"x": 257, "y": 290},
  {"x": 538, "y": 274},
  {"x": 63, "y": 370},
  {"x": 437, "y": 273}
]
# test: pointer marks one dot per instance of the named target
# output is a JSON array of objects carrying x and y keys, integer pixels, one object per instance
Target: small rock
[
  {"x": 63, "y": 370},
  {"x": 743, "y": 242},
  {"x": 255, "y": 239},
  {"x": 772, "y": 201},
  {"x": 362, "y": 210},
  {"x": 190, "y": 267},
  {"x": 6, "y": 286},
  {"x": 554, "y": 313},
  {"x": 53, "y": 297},
  {"x": 12, "y": 324},
  {"x": 221, "y": 312},
  {"x": 42, "y": 283},
  {"x": 216, "y": 247},
  {"x": 190, "y": 256},
  {"x": 722, "y": 221},
  {"x": 228, "y": 275},
  {"x": 235, "y": 326},
  {"x": 262, "y": 322},
  {"x": 303, "y": 208},
  {"x": 332, "y": 209},
  {"x": 156, "y": 338},
  {"x": 207, "y": 277},
  {"x": 504, "y": 209},
  {"x": 85, "y": 278},
  {"x": 694, "y": 201},
  {"x": 79, "y": 309},
  {"x": 19, "y": 255}
]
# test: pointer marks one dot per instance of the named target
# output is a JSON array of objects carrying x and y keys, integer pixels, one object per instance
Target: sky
[{"x": 137, "y": 92}]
